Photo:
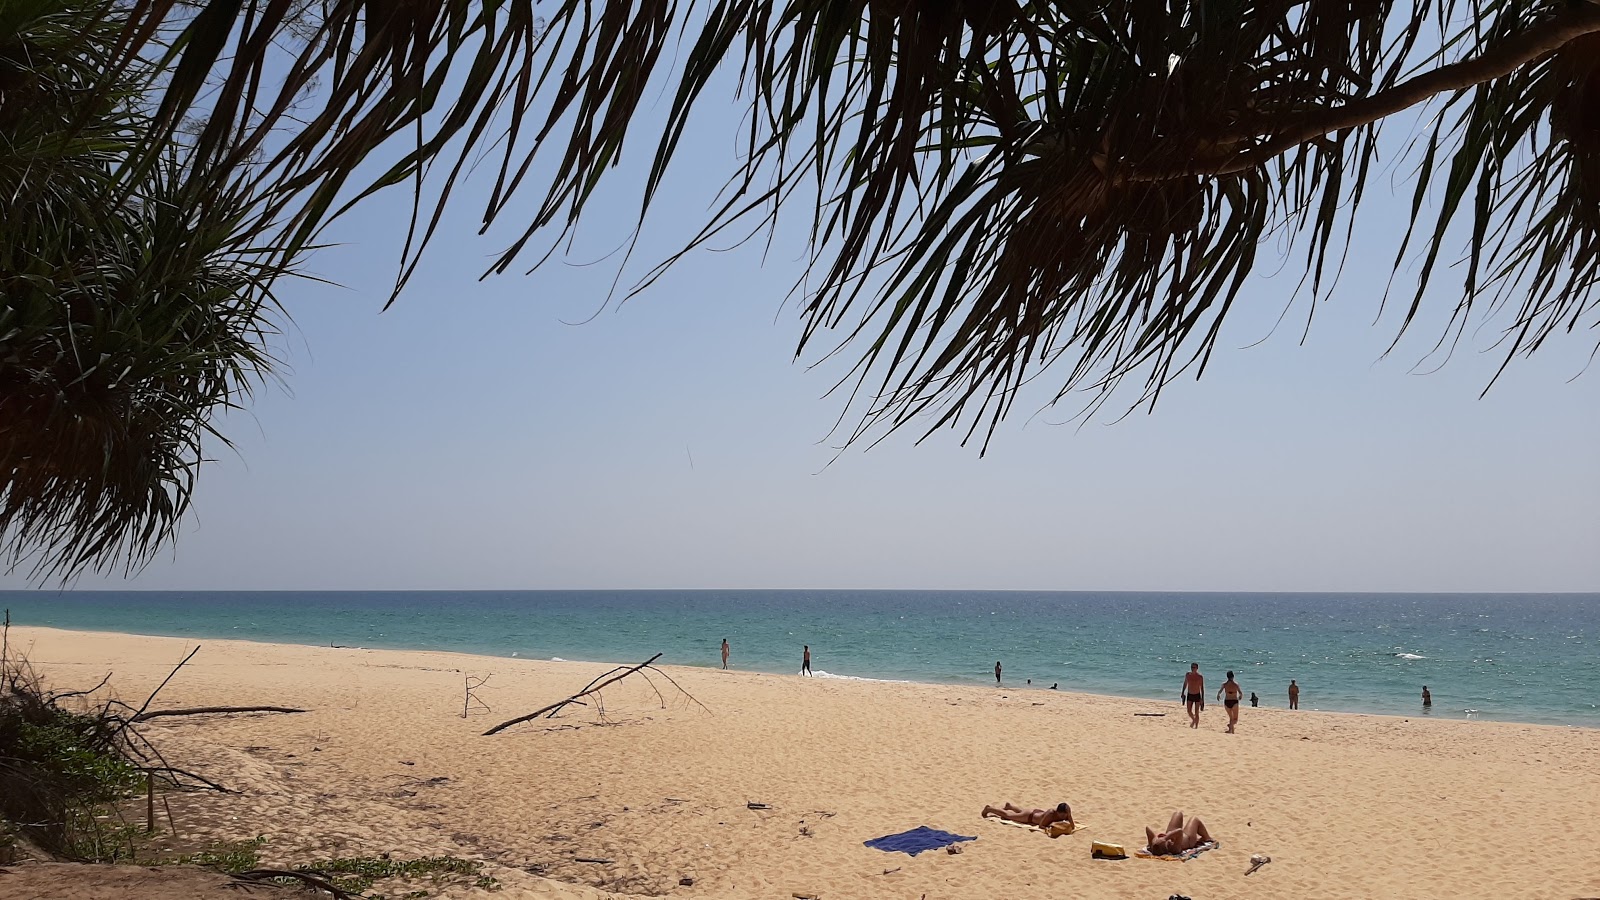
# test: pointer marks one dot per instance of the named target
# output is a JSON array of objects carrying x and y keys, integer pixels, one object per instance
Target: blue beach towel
[{"x": 916, "y": 840}]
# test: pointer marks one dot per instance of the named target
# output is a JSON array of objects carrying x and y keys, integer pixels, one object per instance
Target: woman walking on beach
[
  {"x": 805, "y": 660},
  {"x": 1230, "y": 694}
]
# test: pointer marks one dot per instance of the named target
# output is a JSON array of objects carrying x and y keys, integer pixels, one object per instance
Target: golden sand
[{"x": 1346, "y": 805}]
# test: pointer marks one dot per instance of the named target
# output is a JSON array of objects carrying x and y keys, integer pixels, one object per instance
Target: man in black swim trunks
[
  {"x": 1194, "y": 694},
  {"x": 1230, "y": 694}
]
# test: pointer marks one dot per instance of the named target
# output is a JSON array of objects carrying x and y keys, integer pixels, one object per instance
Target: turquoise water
[{"x": 1512, "y": 657}]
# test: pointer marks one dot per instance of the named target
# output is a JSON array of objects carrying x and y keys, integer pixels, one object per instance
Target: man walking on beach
[
  {"x": 1194, "y": 694},
  {"x": 1294, "y": 695},
  {"x": 997, "y": 673},
  {"x": 805, "y": 661},
  {"x": 724, "y": 653}
]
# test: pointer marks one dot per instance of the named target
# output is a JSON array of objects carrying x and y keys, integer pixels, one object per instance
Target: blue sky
[{"x": 470, "y": 437}]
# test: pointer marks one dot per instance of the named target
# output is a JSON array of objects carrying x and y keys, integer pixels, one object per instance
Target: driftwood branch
[
  {"x": 209, "y": 710},
  {"x": 171, "y": 773},
  {"x": 315, "y": 882},
  {"x": 65, "y": 694},
  {"x": 151, "y": 699},
  {"x": 470, "y": 700},
  {"x": 680, "y": 689},
  {"x": 592, "y": 690}
]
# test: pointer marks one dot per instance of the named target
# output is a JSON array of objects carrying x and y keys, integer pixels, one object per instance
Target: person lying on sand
[
  {"x": 1038, "y": 818},
  {"x": 1179, "y": 837}
]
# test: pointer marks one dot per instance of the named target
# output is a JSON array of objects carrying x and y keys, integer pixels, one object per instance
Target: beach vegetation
[
  {"x": 355, "y": 875},
  {"x": 135, "y": 293},
  {"x": 62, "y": 771},
  {"x": 358, "y": 873},
  {"x": 232, "y": 857}
]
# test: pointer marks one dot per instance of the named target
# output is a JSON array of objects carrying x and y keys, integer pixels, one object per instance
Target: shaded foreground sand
[{"x": 1346, "y": 805}]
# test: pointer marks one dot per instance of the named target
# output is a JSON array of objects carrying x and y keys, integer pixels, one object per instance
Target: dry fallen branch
[
  {"x": 57, "y": 698},
  {"x": 151, "y": 699},
  {"x": 592, "y": 691},
  {"x": 256, "y": 876},
  {"x": 471, "y": 700},
  {"x": 209, "y": 710},
  {"x": 172, "y": 774}
]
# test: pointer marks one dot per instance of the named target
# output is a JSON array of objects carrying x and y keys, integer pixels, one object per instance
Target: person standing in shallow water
[
  {"x": 1294, "y": 695},
  {"x": 1427, "y": 698},
  {"x": 724, "y": 653},
  {"x": 1254, "y": 700},
  {"x": 997, "y": 673},
  {"x": 1194, "y": 694},
  {"x": 805, "y": 660}
]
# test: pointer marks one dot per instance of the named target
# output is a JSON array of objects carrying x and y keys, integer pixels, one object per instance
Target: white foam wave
[
  {"x": 559, "y": 659},
  {"x": 818, "y": 673},
  {"x": 1408, "y": 656}
]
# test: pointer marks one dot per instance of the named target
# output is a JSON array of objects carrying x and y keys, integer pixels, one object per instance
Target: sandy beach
[{"x": 384, "y": 762}]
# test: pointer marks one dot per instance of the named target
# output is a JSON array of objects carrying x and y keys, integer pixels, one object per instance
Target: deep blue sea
[{"x": 1511, "y": 657}]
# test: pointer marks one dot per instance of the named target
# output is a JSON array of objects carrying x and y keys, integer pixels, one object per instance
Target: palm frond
[
  {"x": 1001, "y": 185},
  {"x": 132, "y": 309}
]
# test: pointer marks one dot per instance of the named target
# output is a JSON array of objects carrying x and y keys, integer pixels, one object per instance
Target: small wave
[
  {"x": 559, "y": 659},
  {"x": 1408, "y": 656},
  {"x": 818, "y": 673}
]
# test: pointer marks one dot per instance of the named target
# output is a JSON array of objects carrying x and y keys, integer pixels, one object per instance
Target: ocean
[{"x": 1508, "y": 657}]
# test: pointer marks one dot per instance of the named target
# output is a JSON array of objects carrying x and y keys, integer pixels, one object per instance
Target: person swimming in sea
[{"x": 1038, "y": 818}]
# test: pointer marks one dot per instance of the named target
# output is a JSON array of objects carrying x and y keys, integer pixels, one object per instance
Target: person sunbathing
[
  {"x": 1038, "y": 818},
  {"x": 1180, "y": 836}
]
